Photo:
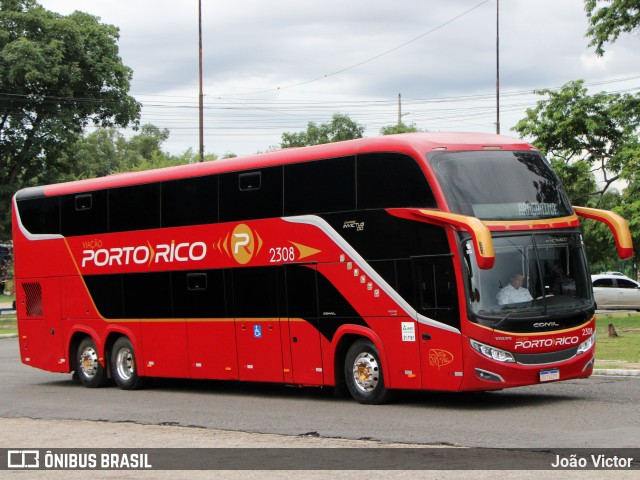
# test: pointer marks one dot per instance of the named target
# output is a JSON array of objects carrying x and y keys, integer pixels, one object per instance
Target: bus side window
[
  {"x": 388, "y": 180},
  {"x": 40, "y": 215},
  {"x": 190, "y": 201},
  {"x": 134, "y": 208},
  {"x": 435, "y": 289},
  {"x": 251, "y": 195},
  {"x": 199, "y": 294},
  {"x": 84, "y": 214},
  {"x": 321, "y": 186}
]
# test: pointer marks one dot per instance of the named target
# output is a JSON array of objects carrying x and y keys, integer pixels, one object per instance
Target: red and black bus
[{"x": 376, "y": 263}]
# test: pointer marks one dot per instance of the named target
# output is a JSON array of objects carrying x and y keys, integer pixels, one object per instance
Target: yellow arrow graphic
[{"x": 304, "y": 250}]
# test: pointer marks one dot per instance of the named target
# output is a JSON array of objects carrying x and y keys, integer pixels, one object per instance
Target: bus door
[
  {"x": 304, "y": 334},
  {"x": 437, "y": 302},
  {"x": 40, "y": 325},
  {"x": 256, "y": 303}
]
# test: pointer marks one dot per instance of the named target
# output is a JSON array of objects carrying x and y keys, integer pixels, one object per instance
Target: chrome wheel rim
[
  {"x": 125, "y": 364},
  {"x": 89, "y": 362},
  {"x": 366, "y": 372}
]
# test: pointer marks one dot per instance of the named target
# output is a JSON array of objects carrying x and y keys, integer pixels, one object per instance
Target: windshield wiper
[{"x": 499, "y": 322}]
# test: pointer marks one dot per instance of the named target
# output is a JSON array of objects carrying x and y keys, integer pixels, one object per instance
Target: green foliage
[
  {"x": 609, "y": 18},
  {"x": 399, "y": 128},
  {"x": 600, "y": 130},
  {"x": 340, "y": 128},
  {"x": 592, "y": 142},
  {"x": 58, "y": 74}
]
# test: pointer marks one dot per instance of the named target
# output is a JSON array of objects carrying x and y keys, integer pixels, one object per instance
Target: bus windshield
[
  {"x": 500, "y": 185},
  {"x": 534, "y": 276}
]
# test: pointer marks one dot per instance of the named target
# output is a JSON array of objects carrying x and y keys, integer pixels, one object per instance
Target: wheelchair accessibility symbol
[{"x": 257, "y": 331}]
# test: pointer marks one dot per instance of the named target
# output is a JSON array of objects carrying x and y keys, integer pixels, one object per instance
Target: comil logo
[{"x": 243, "y": 245}]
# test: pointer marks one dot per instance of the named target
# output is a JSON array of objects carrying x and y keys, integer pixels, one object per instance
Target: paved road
[{"x": 595, "y": 412}]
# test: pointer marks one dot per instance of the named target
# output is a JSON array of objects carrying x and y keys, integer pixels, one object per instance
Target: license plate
[{"x": 549, "y": 375}]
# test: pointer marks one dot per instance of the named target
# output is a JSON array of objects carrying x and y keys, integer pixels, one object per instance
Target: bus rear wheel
[
  {"x": 123, "y": 365},
  {"x": 363, "y": 373},
  {"x": 90, "y": 371}
]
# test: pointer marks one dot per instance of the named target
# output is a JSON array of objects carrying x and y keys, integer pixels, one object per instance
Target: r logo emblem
[{"x": 242, "y": 244}]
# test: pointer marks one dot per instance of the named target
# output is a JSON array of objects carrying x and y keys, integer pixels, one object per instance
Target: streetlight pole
[
  {"x": 200, "y": 99},
  {"x": 498, "y": 67}
]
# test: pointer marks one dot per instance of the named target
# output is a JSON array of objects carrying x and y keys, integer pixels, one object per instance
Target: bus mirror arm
[
  {"x": 482, "y": 243},
  {"x": 618, "y": 226}
]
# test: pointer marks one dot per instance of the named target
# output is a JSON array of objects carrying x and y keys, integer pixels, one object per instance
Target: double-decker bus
[{"x": 374, "y": 264}]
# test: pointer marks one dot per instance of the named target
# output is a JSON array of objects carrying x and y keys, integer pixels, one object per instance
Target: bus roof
[{"x": 415, "y": 144}]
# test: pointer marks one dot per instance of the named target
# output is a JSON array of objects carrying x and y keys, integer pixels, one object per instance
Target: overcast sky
[{"x": 272, "y": 66}]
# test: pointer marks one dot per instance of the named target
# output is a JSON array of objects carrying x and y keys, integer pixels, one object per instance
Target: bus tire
[
  {"x": 363, "y": 373},
  {"x": 90, "y": 371},
  {"x": 123, "y": 366}
]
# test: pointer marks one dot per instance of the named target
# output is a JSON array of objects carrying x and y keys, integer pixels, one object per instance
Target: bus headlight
[
  {"x": 587, "y": 344},
  {"x": 492, "y": 352}
]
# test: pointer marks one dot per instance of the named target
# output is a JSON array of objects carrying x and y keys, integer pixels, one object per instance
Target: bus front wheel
[
  {"x": 90, "y": 371},
  {"x": 363, "y": 373},
  {"x": 123, "y": 365}
]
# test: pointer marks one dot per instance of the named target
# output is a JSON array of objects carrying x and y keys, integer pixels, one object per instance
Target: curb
[{"x": 613, "y": 372}]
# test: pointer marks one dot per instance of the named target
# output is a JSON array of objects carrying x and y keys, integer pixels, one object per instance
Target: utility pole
[
  {"x": 200, "y": 102},
  {"x": 399, "y": 109},
  {"x": 498, "y": 67}
]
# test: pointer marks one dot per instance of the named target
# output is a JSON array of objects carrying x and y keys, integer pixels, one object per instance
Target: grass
[
  {"x": 8, "y": 322},
  {"x": 623, "y": 348}
]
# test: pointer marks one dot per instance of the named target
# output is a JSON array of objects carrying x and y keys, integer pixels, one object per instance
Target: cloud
[{"x": 290, "y": 62}]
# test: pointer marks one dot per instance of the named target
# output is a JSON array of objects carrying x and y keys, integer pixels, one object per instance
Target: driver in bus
[{"x": 514, "y": 292}]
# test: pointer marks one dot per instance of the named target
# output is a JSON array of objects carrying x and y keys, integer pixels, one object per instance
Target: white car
[{"x": 615, "y": 291}]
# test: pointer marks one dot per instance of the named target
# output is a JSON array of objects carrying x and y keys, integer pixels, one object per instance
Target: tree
[
  {"x": 399, "y": 128},
  {"x": 58, "y": 74},
  {"x": 592, "y": 142},
  {"x": 600, "y": 130},
  {"x": 340, "y": 128},
  {"x": 106, "y": 151},
  {"x": 610, "y": 19}
]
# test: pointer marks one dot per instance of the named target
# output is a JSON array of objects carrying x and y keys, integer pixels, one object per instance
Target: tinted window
[
  {"x": 436, "y": 289},
  {"x": 622, "y": 283},
  {"x": 40, "y": 215},
  {"x": 387, "y": 180},
  {"x": 134, "y": 208},
  {"x": 255, "y": 292},
  {"x": 500, "y": 185},
  {"x": 250, "y": 195},
  {"x": 331, "y": 303},
  {"x": 198, "y": 294},
  {"x": 106, "y": 293},
  {"x": 302, "y": 299},
  {"x": 191, "y": 201},
  {"x": 320, "y": 186},
  {"x": 603, "y": 282},
  {"x": 147, "y": 295},
  {"x": 84, "y": 214}
]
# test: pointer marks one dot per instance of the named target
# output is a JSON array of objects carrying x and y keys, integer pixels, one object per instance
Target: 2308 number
[{"x": 282, "y": 254}]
